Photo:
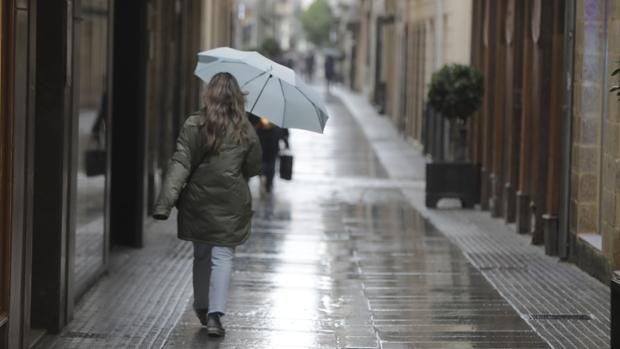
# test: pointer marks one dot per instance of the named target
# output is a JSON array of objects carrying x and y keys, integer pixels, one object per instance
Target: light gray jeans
[{"x": 212, "y": 270}]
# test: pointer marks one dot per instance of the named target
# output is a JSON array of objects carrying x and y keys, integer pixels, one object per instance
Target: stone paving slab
[
  {"x": 138, "y": 301},
  {"x": 536, "y": 285}
]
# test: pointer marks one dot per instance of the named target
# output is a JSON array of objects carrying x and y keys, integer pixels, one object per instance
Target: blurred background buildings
[
  {"x": 93, "y": 93},
  {"x": 258, "y": 20},
  {"x": 547, "y": 133}
]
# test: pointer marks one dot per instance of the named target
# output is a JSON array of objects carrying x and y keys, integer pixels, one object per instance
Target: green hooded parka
[{"x": 210, "y": 190}]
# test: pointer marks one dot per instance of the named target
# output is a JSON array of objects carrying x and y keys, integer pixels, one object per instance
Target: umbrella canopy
[{"x": 273, "y": 90}]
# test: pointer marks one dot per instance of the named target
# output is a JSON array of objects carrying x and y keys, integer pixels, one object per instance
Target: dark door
[{"x": 128, "y": 124}]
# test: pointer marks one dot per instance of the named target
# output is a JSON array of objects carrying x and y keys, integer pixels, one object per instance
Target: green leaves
[
  {"x": 317, "y": 22},
  {"x": 270, "y": 48},
  {"x": 456, "y": 91}
]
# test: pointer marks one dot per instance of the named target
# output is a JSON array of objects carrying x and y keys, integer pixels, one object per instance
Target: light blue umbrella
[{"x": 273, "y": 90}]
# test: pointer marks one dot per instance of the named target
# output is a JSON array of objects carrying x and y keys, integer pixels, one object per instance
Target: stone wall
[
  {"x": 216, "y": 23},
  {"x": 452, "y": 42},
  {"x": 435, "y": 33},
  {"x": 587, "y": 116},
  {"x": 611, "y": 151},
  {"x": 595, "y": 168}
]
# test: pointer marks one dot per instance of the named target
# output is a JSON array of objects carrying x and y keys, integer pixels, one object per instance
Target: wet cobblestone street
[
  {"x": 338, "y": 264},
  {"x": 339, "y": 258}
]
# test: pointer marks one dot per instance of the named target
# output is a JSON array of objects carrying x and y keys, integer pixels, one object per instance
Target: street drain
[
  {"x": 581, "y": 317},
  {"x": 503, "y": 268},
  {"x": 86, "y": 335}
]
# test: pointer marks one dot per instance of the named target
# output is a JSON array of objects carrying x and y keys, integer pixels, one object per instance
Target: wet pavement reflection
[{"x": 339, "y": 259}]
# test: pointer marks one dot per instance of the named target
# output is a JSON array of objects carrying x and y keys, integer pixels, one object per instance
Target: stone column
[
  {"x": 523, "y": 193},
  {"x": 489, "y": 34},
  {"x": 498, "y": 112}
]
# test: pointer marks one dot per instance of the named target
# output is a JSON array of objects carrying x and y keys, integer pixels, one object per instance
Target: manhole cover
[
  {"x": 503, "y": 268},
  {"x": 583, "y": 317}
]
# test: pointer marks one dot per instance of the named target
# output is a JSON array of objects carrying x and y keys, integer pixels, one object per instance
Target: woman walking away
[{"x": 207, "y": 179}]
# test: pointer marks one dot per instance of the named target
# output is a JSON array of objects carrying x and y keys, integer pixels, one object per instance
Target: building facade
[
  {"x": 595, "y": 164},
  {"x": 519, "y": 49},
  {"x": 92, "y": 95},
  {"x": 257, "y": 20},
  {"x": 546, "y": 135},
  {"x": 398, "y": 45}
]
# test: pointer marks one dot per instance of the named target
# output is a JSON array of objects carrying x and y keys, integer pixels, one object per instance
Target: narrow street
[
  {"x": 338, "y": 259},
  {"x": 465, "y": 192}
]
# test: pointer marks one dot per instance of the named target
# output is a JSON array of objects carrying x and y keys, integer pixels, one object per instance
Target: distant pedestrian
[
  {"x": 329, "y": 70},
  {"x": 270, "y": 136},
  {"x": 309, "y": 60},
  {"x": 217, "y": 152},
  {"x": 289, "y": 60}
]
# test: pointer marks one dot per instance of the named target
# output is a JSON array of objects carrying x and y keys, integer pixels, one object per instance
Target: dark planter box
[{"x": 458, "y": 180}]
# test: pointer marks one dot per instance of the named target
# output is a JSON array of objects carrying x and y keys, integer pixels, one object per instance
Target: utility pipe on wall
[{"x": 439, "y": 33}]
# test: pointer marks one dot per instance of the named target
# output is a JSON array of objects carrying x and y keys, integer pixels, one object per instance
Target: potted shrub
[{"x": 456, "y": 93}]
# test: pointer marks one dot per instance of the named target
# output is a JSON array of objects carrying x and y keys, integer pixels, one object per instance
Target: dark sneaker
[
  {"x": 202, "y": 316},
  {"x": 214, "y": 325}
]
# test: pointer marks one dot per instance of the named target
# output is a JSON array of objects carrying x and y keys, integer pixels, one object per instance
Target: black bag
[
  {"x": 95, "y": 158},
  {"x": 95, "y": 162},
  {"x": 286, "y": 166}
]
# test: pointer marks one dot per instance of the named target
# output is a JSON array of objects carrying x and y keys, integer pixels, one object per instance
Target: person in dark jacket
[
  {"x": 270, "y": 136},
  {"x": 309, "y": 60},
  {"x": 217, "y": 152},
  {"x": 329, "y": 70}
]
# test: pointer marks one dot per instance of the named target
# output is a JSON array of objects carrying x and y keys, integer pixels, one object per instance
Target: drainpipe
[
  {"x": 443, "y": 128},
  {"x": 615, "y": 309},
  {"x": 564, "y": 244},
  {"x": 439, "y": 33}
]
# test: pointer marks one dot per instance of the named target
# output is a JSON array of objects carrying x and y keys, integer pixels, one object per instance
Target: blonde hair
[{"x": 224, "y": 110}]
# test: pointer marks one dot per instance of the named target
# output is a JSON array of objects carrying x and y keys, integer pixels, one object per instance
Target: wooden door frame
[
  {"x": 127, "y": 125},
  {"x": 542, "y": 30},
  {"x": 555, "y": 127},
  {"x": 5, "y": 178},
  {"x": 476, "y": 58},
  {"x": 402, "y": 112},
  {"x": 524, "y": 185},
  {"x": 19, "y": 81},
  {"x": 564, "y": 242},
  {"x": 497, "y": 113},
  {"x": 489, "y": 42}
]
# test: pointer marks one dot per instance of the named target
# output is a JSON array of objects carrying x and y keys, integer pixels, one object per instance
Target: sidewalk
[
  {"x": 567, "y": 307},
  {"x": 338, "y": 258}
]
